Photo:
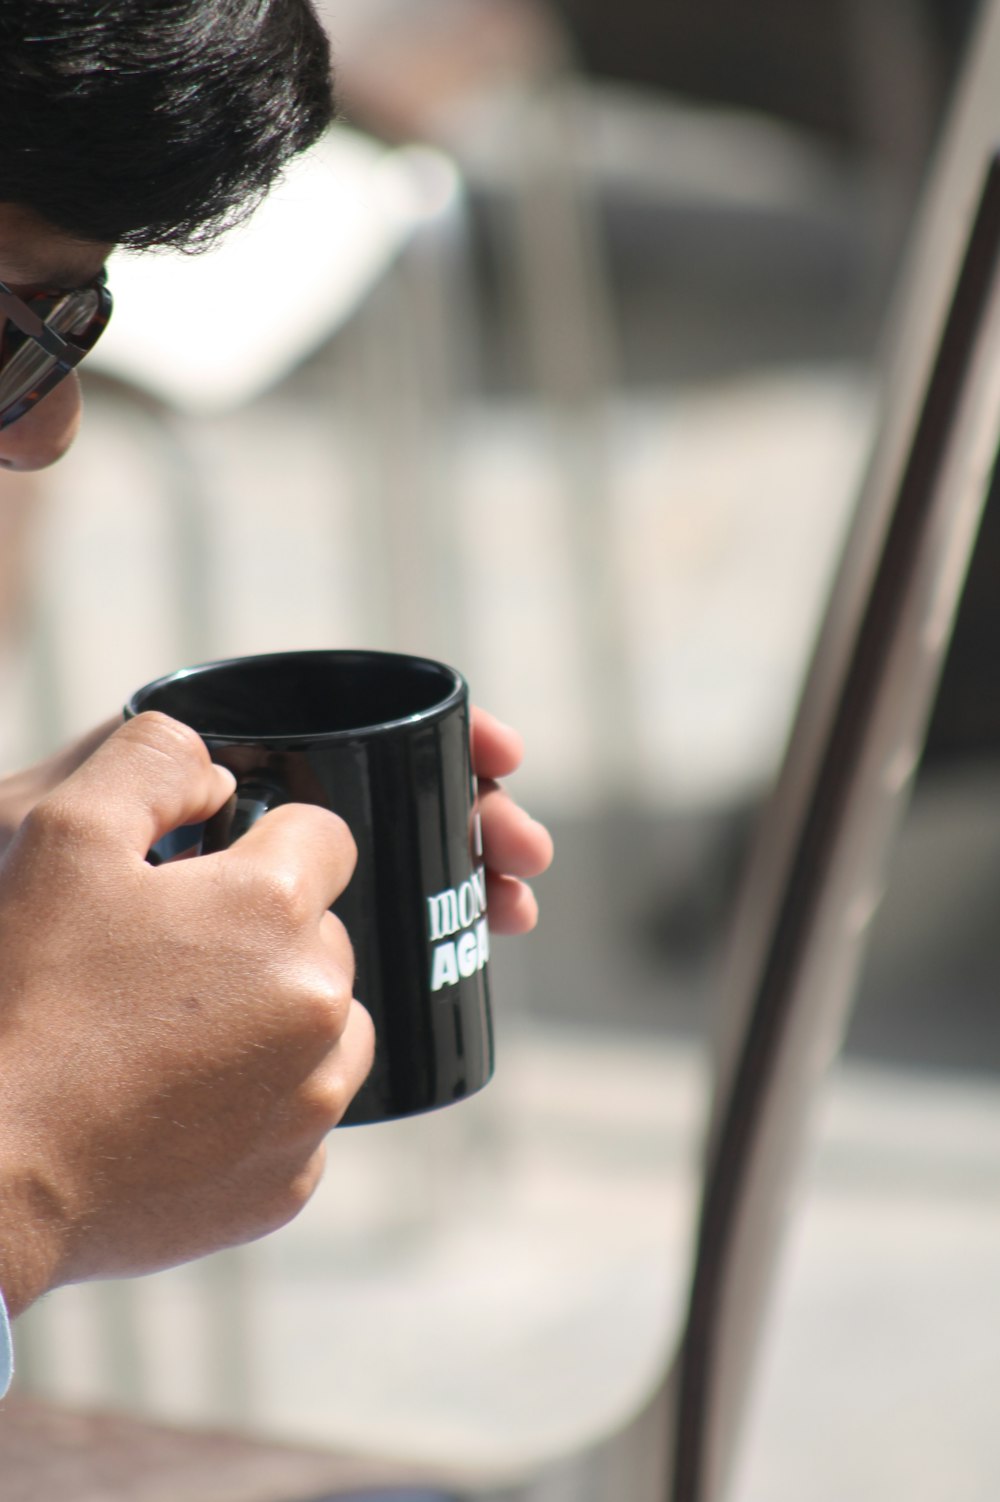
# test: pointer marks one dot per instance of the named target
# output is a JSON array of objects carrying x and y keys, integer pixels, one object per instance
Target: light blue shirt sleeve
[{"x": 6, "y": 1350}]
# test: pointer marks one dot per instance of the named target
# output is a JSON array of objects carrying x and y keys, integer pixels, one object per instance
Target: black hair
[{"x": 155, "y": 122}]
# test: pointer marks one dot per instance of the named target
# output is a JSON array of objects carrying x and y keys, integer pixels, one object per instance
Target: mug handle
[{"x": 253, "y": 797}]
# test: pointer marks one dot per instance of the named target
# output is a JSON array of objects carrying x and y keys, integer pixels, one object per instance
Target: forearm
[
  {"x": 22, "y": 790},
  {"x": 29, "y": 1240},
  {"x": 18, "y": 794}
]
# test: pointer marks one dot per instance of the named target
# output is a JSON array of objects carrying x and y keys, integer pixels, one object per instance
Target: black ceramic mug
[{"x": 383, "y": 740}]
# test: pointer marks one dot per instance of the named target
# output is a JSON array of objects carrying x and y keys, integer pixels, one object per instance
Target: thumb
[{"x": 151, "y": 776}]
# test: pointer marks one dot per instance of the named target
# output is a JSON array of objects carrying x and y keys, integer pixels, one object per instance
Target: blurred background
[{"x": 558, "y": 361}]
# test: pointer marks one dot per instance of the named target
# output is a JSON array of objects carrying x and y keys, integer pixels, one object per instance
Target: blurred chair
[{"x": 771, "y": 1068}]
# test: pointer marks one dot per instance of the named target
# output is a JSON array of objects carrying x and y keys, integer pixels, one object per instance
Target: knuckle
[
  {"x": 320, "y": 1107},
  {"x": 333, "y": 833},
  {"x": 337, "y": 941},
  {"x": 279, "y": 890},
  {"x": 340, "y": 831},
  {"x": 328, "y": 1004},
  {"x": 61, "y": 820},
  {"x": 326, "y": 1098},
  {"x": 365, "y": 1030},
  {"x": 298, "y": 1189}
]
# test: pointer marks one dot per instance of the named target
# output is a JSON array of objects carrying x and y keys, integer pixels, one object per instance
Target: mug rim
[{"x": 437, "y": 711}]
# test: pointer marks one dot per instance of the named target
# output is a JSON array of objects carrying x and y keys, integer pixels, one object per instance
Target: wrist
[
  {"x": 18, "y": 795},
  {"x": 6, "y": 1350},
  {"x": 30, "y": 1242}
]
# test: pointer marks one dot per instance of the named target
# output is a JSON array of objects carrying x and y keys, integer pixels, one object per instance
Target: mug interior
[{"x": 291, "y": 694}]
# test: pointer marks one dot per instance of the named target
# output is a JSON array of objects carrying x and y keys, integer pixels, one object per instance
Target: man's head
[
  {"x": 152, "y": 122},
  {"x": 140, "y": 123}
]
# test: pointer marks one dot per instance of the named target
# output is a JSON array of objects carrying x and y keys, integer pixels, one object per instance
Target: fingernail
[{"x": 226, "y": 775}]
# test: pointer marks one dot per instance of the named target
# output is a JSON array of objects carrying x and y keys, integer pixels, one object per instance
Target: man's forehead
[{"x": 35, "y": 254}]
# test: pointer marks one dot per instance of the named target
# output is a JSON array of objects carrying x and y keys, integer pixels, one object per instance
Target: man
[{"x": 177, "y": 1041}]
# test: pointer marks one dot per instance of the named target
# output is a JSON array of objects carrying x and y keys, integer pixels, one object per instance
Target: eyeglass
[{"x": 43, "y": 337}]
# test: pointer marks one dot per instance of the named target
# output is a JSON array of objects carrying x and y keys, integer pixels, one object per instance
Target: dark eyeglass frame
[{"x": 28, "y": 315}]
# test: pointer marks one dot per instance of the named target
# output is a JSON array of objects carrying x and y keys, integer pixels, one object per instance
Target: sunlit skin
[{"x": 216, "y": 994}]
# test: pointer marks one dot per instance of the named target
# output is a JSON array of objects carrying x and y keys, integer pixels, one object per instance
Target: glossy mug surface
[{"x": 383, "y": 740}]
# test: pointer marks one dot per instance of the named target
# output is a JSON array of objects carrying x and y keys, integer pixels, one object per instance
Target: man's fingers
[
  {"x": 305, "y": 854},
  {"x": 497, "y": 750},
  {"x": 513, "y": 842},
  {"x": 511, "y": 906},
  {"x": 151, "y": 776},
  {"x": 333, "y": 1084}
]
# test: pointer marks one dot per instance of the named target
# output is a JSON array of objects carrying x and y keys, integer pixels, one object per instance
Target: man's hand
[
  {"x": 175, "y": 1041},
  {"x": 515, "y": 845},
  {"x": 21, "y": 791}
]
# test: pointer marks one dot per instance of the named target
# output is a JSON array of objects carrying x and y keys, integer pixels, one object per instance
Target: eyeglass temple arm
[{"x": 19, "y": 313}]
